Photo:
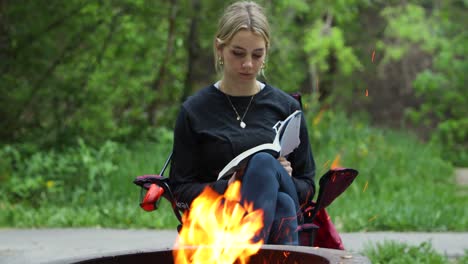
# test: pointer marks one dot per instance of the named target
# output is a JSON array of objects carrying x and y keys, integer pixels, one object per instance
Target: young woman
[{"x": 237, "y": 113}]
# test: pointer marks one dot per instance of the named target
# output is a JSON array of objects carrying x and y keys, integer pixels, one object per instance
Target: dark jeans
[{"x": 268, "y": 186}]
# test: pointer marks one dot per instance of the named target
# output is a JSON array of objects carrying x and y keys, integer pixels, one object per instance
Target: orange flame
[
  {"x": 336, "y": 162},
  {"x": 367, "y": 92},
  {"x": 218, "y": 229},
  {"x": 373, "y": 55}
]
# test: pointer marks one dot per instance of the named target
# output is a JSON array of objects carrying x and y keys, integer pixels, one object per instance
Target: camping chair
[{"x": 316, "y": 229}]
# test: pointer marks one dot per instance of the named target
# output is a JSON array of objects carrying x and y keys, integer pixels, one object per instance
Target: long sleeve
[
  {"x": 184, "y": 178},
  {"x": 303, "y": 165}
]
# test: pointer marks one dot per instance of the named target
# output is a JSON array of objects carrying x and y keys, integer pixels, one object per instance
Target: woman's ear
[{"x": 219, "y": 46}]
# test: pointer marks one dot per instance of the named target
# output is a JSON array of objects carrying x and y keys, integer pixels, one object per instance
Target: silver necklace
[
  {"x": 242, "y": 124},
  {"x": 239, "y": 118}
]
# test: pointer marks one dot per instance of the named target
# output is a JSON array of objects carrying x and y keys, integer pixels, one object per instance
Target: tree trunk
[
  {"x": 158, "y": 82},
  {"x": 4, "y": 41},
  {"x": 7, "y": 123},
  {"x": 193, "y": 49}
]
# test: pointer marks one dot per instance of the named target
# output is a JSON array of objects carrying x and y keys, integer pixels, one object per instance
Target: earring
[{"x": 220, "y": 61}]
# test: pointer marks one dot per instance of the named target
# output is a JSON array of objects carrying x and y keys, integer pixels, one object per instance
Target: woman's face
[{"x": 243, "y": 56}]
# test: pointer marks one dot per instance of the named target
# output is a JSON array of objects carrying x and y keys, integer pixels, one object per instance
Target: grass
[
  {"x": 391, "y": 252},
  {"x": 403, "y": 184}
]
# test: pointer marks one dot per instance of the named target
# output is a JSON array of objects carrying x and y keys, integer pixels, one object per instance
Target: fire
[
  {"x": 336, "y": 162},
  {"x": 219, "y": 229}
]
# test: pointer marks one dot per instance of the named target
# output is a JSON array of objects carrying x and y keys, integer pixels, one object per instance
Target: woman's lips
[{"x": 246, "y": 74}]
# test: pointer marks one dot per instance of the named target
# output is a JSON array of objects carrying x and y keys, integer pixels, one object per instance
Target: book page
[{"x": 290, "y": 138}]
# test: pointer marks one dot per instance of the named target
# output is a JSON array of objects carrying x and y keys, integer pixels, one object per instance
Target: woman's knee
[
  {"x": 261, "y": 168},
  {"x": 262, "y": 160}
]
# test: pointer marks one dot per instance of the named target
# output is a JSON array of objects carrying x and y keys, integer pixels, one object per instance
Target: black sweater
[{"x": 207, "y": 136}]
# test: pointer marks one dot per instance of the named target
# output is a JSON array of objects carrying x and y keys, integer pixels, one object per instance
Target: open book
[{"x": 286, "y": 141}]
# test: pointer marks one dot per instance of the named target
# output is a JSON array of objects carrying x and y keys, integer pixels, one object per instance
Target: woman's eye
[
  {"x": 257, "y": 56},
  {"x": 238, "y": 54}
]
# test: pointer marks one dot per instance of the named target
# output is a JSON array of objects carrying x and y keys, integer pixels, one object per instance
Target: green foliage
[
  {"x": 82, "y": 185},
  {"x": 85, "y": 69},
  {"x": 392, "y": 252},
  {"x": 443, "y": 89},
  {"x": 57, "y": 177},
  {"x": 407, "y": 25},
  {"x": 303, "y": 43},
  {"x": 403, "y": 184},
  {"x": 442, "y": 86},
  {"x": 320, "y": 46}
]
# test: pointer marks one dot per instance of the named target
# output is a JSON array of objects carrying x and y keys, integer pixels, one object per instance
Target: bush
[{"x": 56, "y": 177}]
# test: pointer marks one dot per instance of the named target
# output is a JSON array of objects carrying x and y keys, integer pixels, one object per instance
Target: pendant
[
  {"x": 238, "y": 118},
  {"x": 242, "y": 124}
]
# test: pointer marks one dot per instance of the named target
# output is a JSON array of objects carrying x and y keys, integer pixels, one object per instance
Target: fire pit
[{"x": 267, "y": 254}]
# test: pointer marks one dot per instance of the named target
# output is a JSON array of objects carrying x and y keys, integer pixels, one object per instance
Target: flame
[
  {"x": 336, "y": 162},
  {"x": 218, "y": 229},
  {"x": 367, "y": 92},
  {"x": 373, "y": 55}
]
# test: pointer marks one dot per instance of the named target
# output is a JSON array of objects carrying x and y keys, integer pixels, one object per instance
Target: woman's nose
[{"x": 247, "y": 64}]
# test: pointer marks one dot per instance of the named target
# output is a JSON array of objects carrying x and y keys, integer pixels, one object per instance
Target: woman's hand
[{"x": 286, "y": 165}]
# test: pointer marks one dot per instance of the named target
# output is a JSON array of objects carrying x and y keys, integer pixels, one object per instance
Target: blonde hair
[{"x": 241, "y": 15}]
